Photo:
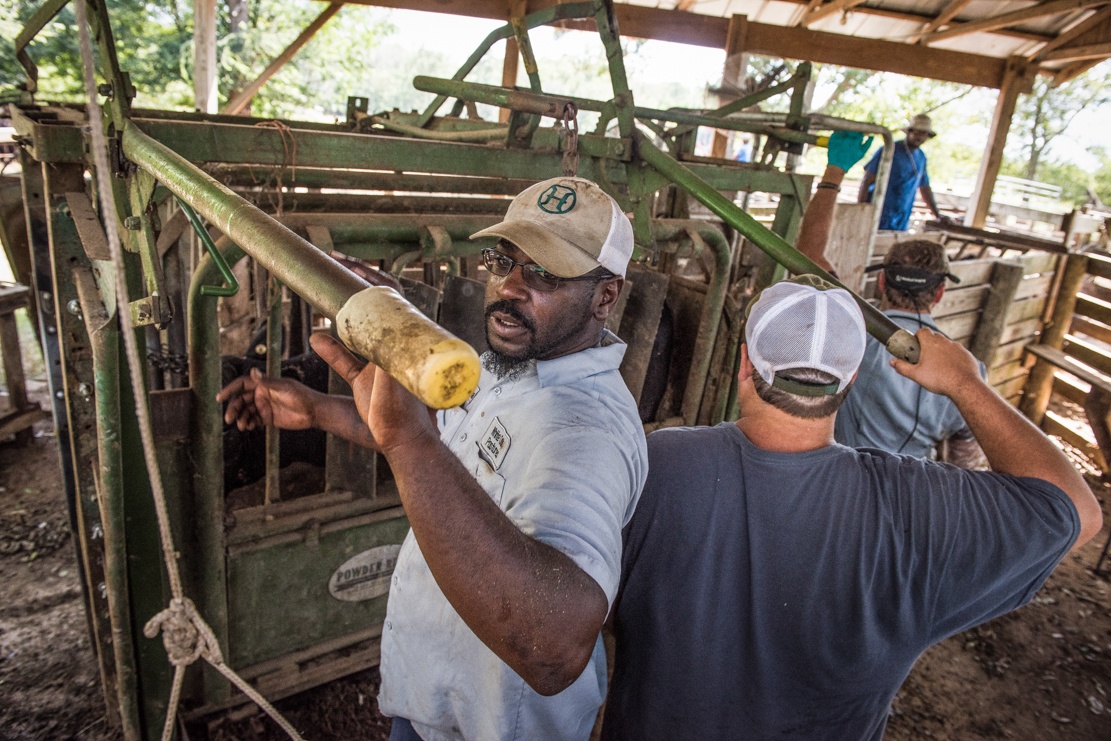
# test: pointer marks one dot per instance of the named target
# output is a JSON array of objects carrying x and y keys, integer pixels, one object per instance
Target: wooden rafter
[
  {"x": 1093, "y": 21},
  {"x": 1051, "y": 7},
  {"x": 948, "y": 13},
  {"x": 1079, "y": 53},
  {"x": 810, "y": 7},
  {"x": 813, "y": 15},
  {"x": 913, "y": 17},
  {"x": 1073, "y": 71}
]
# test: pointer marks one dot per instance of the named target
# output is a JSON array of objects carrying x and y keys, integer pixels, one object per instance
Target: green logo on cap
[{"x": 558, "y": 199}]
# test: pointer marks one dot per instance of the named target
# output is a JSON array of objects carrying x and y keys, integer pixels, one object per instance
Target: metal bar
[
  {"x": 379, "y": 324},
  {"x": 35, "y": 23},
  {"x": 310, "y": 273},
  {"x": 539, "y": 18},
  {"x": 898, "y": 341},
  {"x": 208, "y": 454},
  {"x": 104, "y": 340},
  {"x": 705, "y": 235}
]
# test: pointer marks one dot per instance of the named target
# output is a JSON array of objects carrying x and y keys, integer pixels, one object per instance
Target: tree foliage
[{"x": 1047, "y": 112}]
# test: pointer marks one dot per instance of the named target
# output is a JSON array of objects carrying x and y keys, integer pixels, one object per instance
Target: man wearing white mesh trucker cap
[
  {"x": 776, "y": 584},
  {"x": 517, "y": 498}
]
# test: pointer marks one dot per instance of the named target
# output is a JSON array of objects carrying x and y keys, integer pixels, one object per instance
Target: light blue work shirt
[
  {"x": 908, "y": 174},
  {"x": 561, "y": 451},
  {"x": 887, "y": 411}
]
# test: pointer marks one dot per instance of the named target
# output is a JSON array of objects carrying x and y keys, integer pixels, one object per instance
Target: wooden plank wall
[{"x": 1088, "y": 340}]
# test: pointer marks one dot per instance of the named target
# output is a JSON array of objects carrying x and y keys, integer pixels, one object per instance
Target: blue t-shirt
[
  {"x": 889, "y": 411},
  {"x": 786, "y": 596},
  {"x": 908, "y": 174}
]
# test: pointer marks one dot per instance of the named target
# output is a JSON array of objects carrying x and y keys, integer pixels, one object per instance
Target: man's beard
[{"x": 510, "y": 367}]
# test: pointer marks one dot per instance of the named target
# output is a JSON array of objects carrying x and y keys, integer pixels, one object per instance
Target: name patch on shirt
[{"x": 494, "y": 444}]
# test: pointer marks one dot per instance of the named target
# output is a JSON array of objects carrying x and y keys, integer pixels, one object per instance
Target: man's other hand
[
  {"x": 846, "y": 148},
  {"x": 943, "y": 366},
  {"x": 255, "y": 401}
]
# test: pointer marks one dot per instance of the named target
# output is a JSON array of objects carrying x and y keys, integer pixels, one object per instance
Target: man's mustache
[{"x": 510, "y": 309}]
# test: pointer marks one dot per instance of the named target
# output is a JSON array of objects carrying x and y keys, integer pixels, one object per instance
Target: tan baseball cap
[
  {"x": 569, "y": 226},
  {"x": 922, "y": 122}
]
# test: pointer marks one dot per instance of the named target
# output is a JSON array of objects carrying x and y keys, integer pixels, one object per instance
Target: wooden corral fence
[{"x": 1073, "y": 358}]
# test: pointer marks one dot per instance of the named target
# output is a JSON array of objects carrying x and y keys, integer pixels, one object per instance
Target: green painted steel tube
[
  {"x": 543, "y": 17},
  {"x": 308, "y": 272},
  {"x": 898, "y": 341},
  {"x": 208, "y": 455},
  {"x": 708, "y": 323},
  {"x": 434, "y": 365},
  {"x": 549, "y": 105},
  {"x": 104, "y": 341}
]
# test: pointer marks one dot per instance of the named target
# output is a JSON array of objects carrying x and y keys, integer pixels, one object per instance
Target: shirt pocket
[{"x": 490, "y": 480}]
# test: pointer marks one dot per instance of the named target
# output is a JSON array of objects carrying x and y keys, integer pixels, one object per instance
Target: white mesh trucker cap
[
  {"x": 569, "y": 226},
  {"x": 807, "y": 324}
]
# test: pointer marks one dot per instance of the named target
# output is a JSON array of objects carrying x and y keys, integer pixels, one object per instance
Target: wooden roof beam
[
  {"x": 1072, "y": 72},
  {"x": 1078, "y": 53},
  {"x": 815, "y": 14},
  {"x": 1089, "y": 24},
  {"x": 948, "y": 13},
  {"x": 1050, "y": 7},
  {"x": 912, "y": 17}
]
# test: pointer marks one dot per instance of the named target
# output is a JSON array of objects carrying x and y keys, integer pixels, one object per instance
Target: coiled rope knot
[{"x": 184, "y": 634}]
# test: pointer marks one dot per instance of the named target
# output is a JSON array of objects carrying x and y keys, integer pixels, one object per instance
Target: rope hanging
[{"x": 185, "y": 634}]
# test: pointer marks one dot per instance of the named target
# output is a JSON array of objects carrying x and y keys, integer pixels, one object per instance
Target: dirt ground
[{"x": 1043, "y": 672}]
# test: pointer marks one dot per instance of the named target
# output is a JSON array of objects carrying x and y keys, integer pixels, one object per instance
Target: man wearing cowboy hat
[{"x": 908, "y": 176}]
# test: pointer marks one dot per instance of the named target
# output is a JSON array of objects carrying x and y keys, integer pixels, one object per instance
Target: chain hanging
[{"x": 569, "y": 139}]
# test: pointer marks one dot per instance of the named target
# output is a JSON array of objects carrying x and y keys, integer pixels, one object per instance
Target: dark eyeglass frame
[{"x": 501, "y": 265}]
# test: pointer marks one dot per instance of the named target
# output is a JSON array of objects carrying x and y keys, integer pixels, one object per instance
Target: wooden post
[
  {"x": 1017, "y": 78},
  {"x": 736, "y": 64},
  {"x": 1005, "y": 279},
  {"x": 205, "y": 89},
  {"x": 512, "y": 61},
  {"x": 1039, "y": 386}
]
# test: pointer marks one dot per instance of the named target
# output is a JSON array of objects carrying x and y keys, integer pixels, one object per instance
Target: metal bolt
[
  {"x": 74, "y": 307},
  {"x": 85, "y": 391},
  {"x": 47, "y": 297},
  {"x": 50, "y": 329},
  {"x": 133, "y": 223},
  {"x": 619, "y": 148},
  {"x": 105, "y": 89},
  {"x": 59, "y": 394}
]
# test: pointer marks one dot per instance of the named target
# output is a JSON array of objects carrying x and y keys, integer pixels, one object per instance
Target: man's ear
[
  {"x": 605, "y": 297},
  {"x": 937, "y": 296},
  {"x": 746, "y": 364}
]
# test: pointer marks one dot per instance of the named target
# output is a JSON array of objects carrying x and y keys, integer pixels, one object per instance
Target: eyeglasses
[{"x": 535, "y": 277}]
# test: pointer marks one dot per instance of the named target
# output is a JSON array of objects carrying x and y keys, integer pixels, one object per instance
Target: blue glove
[{"x": 846, "y": 148}]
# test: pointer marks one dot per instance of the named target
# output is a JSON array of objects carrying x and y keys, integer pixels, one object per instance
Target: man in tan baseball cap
[
  {"x": 572, "y": 244},
  {"x": 568, "y": 225},
  {"x": 516, "y": 498}
]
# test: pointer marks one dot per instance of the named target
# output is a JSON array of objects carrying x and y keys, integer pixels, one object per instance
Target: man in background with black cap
[
  {"x": 908, "y": 177},
  {"x": 777, "y": 585},
  {"x": 887, "y": 410},
  {"x": 517, "y": 498}
]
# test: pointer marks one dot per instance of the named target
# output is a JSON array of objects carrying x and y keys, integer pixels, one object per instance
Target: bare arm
[
  {"x": 254, "y": 401},
  {"x": 865, "y": 184},
  {"x": 818, "y": 221},
  {"x": 528, "y": 602},
  {"x": 928, "y": 196},
  {"x": 1011, "y": 443},
  {"x": 845, "y": 149}
]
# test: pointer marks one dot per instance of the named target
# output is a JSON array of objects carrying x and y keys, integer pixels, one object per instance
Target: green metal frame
[{"x": 234, "y": 562}]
